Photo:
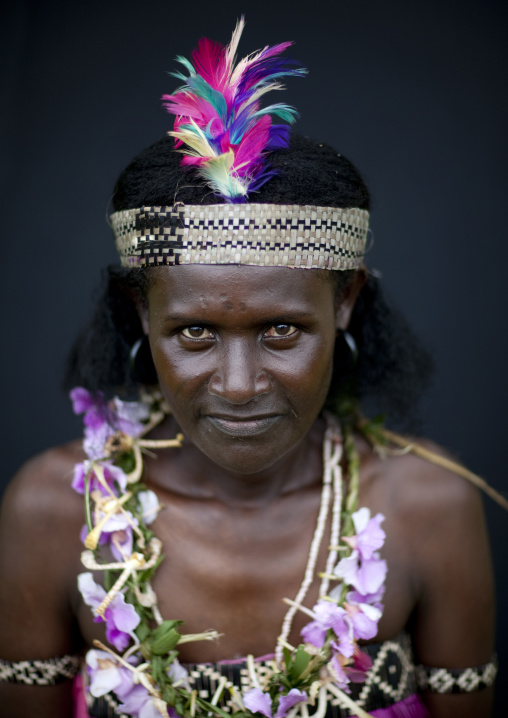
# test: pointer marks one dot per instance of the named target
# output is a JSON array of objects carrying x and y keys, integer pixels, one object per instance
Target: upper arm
[
  {"x": 38, "y": 546},
  {"x": 454, "y": 618}
]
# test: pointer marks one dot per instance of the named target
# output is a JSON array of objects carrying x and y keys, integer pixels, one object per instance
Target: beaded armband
[
  {"x": 45, "y": 672},
  {"x": 456, "y": 680}
]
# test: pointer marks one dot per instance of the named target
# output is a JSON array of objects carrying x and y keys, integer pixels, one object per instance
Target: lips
[{"x": 243, "y": 426}]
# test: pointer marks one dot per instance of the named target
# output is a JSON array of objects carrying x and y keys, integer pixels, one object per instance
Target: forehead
[{"x": 203, "y": 286}]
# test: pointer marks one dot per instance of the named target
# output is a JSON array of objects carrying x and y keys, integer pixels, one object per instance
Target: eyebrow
[{"x": 290, "y": 315}]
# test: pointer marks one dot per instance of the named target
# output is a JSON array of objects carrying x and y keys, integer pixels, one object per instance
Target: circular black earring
[
  {"x": 348, "y": 348},
  {"x": 141, "y": 366}
]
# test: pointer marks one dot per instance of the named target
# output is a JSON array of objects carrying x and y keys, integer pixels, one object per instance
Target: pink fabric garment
[
  {"x": 410, "y": 707},
  {"x": 78, "y": 693}
]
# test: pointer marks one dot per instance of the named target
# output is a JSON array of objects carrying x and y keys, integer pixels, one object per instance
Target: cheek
[
  {"x": 179, "y": 372},
  {"x": 306, "y": 375}
]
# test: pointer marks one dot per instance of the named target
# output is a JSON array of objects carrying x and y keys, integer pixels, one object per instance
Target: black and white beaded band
[
  {"x": 46, "y": 672},
  {"x": 266, "y": 235},
  {"x": 456, "y": 680},
  {"x": 436, "y": 680}
]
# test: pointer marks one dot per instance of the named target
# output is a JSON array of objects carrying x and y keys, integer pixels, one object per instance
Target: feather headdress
[{"x": 220, "y": 126}]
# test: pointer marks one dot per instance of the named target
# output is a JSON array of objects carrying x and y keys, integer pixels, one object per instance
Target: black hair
[
  {"x": 391, "y": 369},
  {"x": 307, "y": 173}
]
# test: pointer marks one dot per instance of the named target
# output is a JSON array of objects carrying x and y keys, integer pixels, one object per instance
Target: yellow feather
[
  {"x": 216, "y": 171},
  {"x": 196, "y": 139},
  {"x": 235, "y": 39}
]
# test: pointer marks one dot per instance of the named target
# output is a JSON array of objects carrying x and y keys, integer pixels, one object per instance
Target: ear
[
  {"x": 346, "y": 301},
  {"x": 141, "y": 305}
]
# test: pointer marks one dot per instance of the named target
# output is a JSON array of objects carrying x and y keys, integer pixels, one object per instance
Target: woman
[{"x": 257, "y": 330}]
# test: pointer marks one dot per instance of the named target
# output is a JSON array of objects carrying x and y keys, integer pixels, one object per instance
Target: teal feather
[
  {"x": 285, "y": 112},
  {"x": 186, "y": 63},
  {"x": 179, "y": 76},
  {"x": 214, "y": 97}
]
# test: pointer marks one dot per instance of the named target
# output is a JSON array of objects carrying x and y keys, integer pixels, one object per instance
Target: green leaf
[
  {"x": 157, "y": 668},
  {"x": 287, "y": 657},
  {"x": 143, "y": 631},
  {"x": 165, "y": 637},
  {"x": 169, "y": 695},
  {"x": 300, "y": 663},
  {"x": 126, "y": 461}
]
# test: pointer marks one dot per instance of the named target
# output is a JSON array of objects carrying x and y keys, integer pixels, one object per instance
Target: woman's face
[{"x": 243, "y": 355}]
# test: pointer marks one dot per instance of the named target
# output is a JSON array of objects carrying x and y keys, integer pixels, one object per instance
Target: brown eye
[
  {"x": 281, "y": 330},
  {"x": 197, "y": 332}
]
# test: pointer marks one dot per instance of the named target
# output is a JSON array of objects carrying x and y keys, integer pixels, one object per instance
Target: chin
[{"x": 244, "y": 460}]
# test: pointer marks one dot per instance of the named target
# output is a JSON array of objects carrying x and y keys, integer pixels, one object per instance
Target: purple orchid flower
[
  {"x": 95, "y": 440},
  {"x": 364, "y": 619},
  {"x": 102, "y": 420},
  {"x": 329, "y": 615},
  {"x": 83, "y": 400},
  {"x": 364, "y": 569},
  {"x": 117, "y": 532},
  {"x": 138, "y": 703},
  {"x": 120, "y": 617},
  {"x": 369, "y": 534},
  {"x": 352, "y": 669},
  {"x": 336, "y": 670},
  {"x": 363, "y": 613},
  {"x": 365, "y": 576},
  {"x": 120, "y": 541},
  {"x": 178, "y": 674},
  {"x": 105, "y": 673},
  {"x": 373, "y": 599},
  {"x": 115, "y": 479},
  {"x": 258, "y": 702},
  {"x": 130, "y": 416},
  {"x": 93, "y": 406}
]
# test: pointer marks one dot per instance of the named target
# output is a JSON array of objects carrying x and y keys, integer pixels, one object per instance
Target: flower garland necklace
[{"x": 141, "y": 666}]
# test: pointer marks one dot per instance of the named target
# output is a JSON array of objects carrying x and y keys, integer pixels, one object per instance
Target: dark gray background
[{"x": 414, "y": 92}]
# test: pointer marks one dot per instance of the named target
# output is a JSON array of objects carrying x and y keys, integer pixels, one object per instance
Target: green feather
[
  {"x": 215, "y": 98},
  {"x": 186, "y": 63},
  {"x": 285, "y": 112}
]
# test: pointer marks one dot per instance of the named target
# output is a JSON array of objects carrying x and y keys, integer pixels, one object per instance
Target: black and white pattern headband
[{"x": 265, "y": 235}]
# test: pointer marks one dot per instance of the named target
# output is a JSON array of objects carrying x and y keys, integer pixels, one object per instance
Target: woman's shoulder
[
  {"x": 419, "y": 481},
  {"x": 40, "y": 523},
  {"x": 438, "y": 542},
  {"x": 40, "y": 491}
]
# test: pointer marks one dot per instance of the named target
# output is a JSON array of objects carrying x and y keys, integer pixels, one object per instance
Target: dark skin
[{"x": 244, "y": 359}]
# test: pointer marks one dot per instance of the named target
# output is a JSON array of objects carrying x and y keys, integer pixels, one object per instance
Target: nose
[{"x": 239, "y": 376}]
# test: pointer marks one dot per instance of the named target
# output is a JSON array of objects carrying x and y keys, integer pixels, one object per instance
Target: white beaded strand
[
  {"x": 324, "y": 509},
  {"x": 336, "y": 514}
]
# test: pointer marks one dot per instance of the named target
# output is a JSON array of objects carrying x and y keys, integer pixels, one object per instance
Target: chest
[{"x": 230, "y": 568}]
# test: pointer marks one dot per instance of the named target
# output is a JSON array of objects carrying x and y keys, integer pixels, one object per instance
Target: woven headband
[{"x": 265, "y": 235}]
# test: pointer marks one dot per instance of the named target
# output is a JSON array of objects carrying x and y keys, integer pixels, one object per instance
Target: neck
[{"x": 189, "y": 472}]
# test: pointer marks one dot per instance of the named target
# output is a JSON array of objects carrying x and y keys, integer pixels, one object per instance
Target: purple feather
[{"x": 279, "y": 137}]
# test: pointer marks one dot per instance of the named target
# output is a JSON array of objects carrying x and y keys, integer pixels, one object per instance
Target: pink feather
[
  {"x": 188, "y": 105},
  {"x": 252, "y": 145},
  {"x": 210, "y": 62},
  {"x": 274, "y": 50}
]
